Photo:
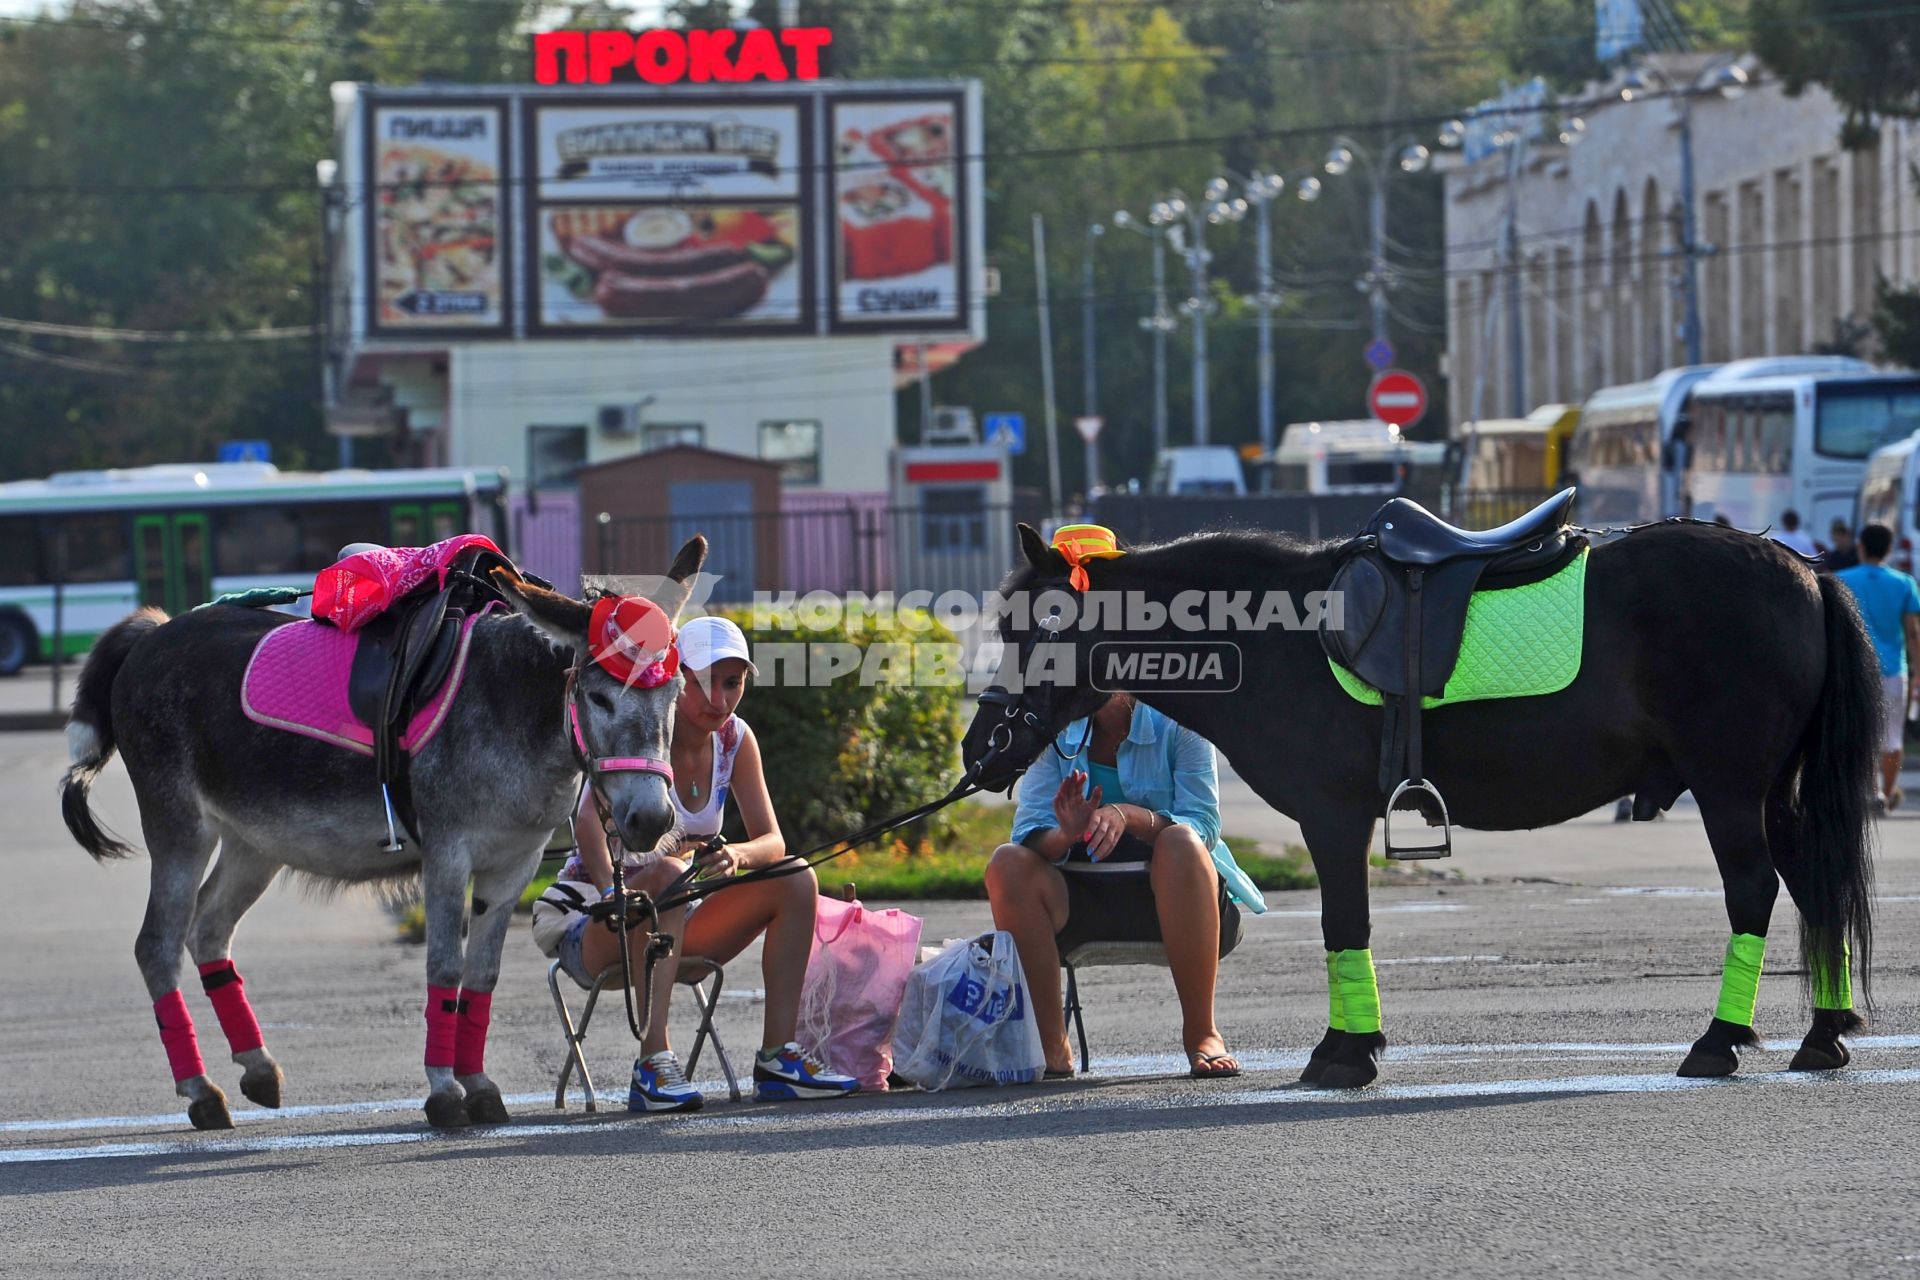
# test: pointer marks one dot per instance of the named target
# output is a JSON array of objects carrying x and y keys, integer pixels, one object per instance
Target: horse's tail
[
  {"x": 90, "y": 731},
  {"x": 1838, "y": 758}
]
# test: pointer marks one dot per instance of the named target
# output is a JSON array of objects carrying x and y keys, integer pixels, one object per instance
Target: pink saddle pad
[{"x": 297, "y": 680}]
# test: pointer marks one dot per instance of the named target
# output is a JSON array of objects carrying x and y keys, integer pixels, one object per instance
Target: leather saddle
[
  {"x": 1404, "y": 584},
  {"x": 403, "y": 658}
]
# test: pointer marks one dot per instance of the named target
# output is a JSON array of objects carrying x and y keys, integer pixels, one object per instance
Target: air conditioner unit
[
  {"x": 951, "y": 424},
  {"x": 619, "y": 419}
]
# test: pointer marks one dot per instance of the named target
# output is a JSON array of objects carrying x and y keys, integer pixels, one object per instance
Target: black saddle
[
  {"x": 1403, "y": 585},
  {"x": 403, "y": 658}
]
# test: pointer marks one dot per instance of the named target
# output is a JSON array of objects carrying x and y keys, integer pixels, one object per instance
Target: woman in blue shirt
[{"x": 1117, "y": 838}]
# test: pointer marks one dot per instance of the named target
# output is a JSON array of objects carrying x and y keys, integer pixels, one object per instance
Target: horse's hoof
[
  {"x": 210, "y": 1113},
  {"x": 1829, "y": 1055},
  {"x": 261, "y": 1085},
  {"x": 486, "y": 1108},
  {"x": 1322, "y": 1054},
  {"x": 1707, "y": 1064},
  {"x": 448, "y": 1111},
  {"x": 1349, "y": 1075}
]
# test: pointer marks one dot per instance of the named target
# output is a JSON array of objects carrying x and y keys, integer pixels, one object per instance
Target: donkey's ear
[
  {"x": 1034, "y": 547},
  {"x": 677, "y": 587},
  {"x": 562, "y": 618}
]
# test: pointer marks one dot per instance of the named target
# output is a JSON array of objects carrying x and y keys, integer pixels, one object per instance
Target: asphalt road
[{"x": 1527, "y": 1122}]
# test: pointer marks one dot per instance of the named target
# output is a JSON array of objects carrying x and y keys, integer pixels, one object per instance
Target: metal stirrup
[{"x": 1417, "y": 852}]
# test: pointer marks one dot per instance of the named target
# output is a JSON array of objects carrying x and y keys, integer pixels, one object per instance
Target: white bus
[
  {"x": 1359, "y": 456},
  {"x": 1623, "y": 457},
  {"x": 1771, "y": 441},
  {"x": 177, "y": 535},
  {"x": 1890, "y": 495}
]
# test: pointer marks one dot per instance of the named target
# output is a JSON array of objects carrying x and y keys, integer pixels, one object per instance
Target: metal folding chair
[
  {"x": 705, "y": 977},
  {"x": 1089, "y": 954}
]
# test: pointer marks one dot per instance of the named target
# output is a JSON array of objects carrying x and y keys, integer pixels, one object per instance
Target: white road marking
[
  {"x": 1131, "y": 1066},
  {"x": 1397, "y": 908},
  {"x": 1048, "y": 1101},
  {"x": 1439, "y": 960}
]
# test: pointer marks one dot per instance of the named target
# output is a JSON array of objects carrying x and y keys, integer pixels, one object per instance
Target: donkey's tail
[
  {"x": 1838, "y": 759},
  {"x": 90, "y": 731}
]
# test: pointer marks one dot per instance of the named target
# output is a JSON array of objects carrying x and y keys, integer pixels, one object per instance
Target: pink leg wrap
[
  {"x": 176, "y": 1033},
  {"x": 229, "y": 996},
  {"x": 470, "y": 1050},
  {"x": 443, "y": 1019}
]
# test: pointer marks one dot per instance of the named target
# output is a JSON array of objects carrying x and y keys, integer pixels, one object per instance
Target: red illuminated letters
[{"x": 671, "y": 56}]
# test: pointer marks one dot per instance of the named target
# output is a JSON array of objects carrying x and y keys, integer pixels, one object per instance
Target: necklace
[{"x": 695, "y": 794}]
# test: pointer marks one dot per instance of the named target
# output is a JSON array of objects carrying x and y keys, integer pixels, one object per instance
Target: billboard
[
  {"x": 697, "y": 210},
  {"x": 437, "y": 244},
  {"x": 672, "y": 217},
  {"x": 898, "y": 188}
]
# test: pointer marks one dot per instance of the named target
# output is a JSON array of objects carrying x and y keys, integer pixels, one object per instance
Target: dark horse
[
  {"x": 490, "y": 787},
  {"x": 1714, "y": 661}
]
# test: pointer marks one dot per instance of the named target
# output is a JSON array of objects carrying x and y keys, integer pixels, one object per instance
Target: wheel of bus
[{"x": 16, "y": 643}]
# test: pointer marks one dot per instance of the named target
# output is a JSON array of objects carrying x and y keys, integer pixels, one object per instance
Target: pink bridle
[{"x": 597, "y": 765}]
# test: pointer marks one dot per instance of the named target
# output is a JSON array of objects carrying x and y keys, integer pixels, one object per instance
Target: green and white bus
[{"x": 176, "y": 535}]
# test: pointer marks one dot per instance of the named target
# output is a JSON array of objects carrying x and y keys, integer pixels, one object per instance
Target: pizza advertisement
[
  {"x": 899, "y": 212},
  {"x": 437, "y": 243},
  {"x": 684, "y": 217}
]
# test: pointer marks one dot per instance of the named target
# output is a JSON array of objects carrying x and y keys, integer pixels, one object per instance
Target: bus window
[
  {"x": 97, "y": 549},
  {"x": 1853, "y": 421},
  {"x": 326, "y": 529},
  {"x": 408, "y": 527},
  {"x": 20, "y": 553},
  {"x": 251, "y": 541}
]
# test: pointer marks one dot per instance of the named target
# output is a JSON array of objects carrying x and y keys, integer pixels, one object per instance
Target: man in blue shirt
[{"x": 1890, "y": 603}]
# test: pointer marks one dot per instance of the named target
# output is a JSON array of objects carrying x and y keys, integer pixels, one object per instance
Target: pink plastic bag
[{"x": 855, "y": 979}]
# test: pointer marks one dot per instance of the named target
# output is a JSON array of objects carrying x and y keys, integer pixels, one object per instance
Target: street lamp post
[
  {"x": 1159, "y": 324},
  {"x": 1261, "y": 191},
  {"x": 1729, "y": 80},
  {"x": 1213, "y": 209},
  {"x": 1411, "y": 157},
  {"x": 1089, "y": 367}
]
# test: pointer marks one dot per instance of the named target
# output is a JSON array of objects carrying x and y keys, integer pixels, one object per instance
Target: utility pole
[
  {"x": 1377, "y": 272},
  {"x": 1161, "y": 322},
  {"x": 1197, "y": 260},
  {"x": 1516, "y": 339},
  {"x": 1689, "y": 246},
  {"x": 1046, "y": 360},
  {"x": 1263, "y": 264},
  {"x": 1090, "y": 364}
]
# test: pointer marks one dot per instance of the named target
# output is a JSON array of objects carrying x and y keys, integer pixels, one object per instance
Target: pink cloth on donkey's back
[
  {"x": 297, "y": 680},
  {"x": 361, "y": 587}
]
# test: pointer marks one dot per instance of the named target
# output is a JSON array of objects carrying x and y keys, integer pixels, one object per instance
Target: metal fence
[{"x": 859, "y": 547}]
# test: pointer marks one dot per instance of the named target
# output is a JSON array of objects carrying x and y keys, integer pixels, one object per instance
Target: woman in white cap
[{"x": 714, "y": 755}]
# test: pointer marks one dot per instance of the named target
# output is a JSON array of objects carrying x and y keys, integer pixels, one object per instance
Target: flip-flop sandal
[{"x": 1214, "y": 1066}]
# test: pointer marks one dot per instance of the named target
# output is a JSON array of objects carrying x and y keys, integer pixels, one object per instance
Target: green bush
[{"x": 846, "y": 753}]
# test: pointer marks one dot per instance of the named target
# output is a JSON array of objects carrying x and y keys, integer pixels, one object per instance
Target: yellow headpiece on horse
[{"x": 1078, "y": 543}]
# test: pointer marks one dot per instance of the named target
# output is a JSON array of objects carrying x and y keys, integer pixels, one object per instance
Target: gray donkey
[{"x": 502, "y": 772}]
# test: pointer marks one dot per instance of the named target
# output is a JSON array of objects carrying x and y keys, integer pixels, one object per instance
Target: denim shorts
[{"x": 569, "y": 955}]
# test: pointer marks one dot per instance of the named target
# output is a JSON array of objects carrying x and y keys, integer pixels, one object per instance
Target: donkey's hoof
[
  {"x": 448, "y": 1111},
  {"x": 1709, "y": 1063},
  {"x": 210, "y": 1113},
  {"x": 1825, "y": 1055},
  {"x": 261, "y": 1085},
  {"x": 486, "y": 1108}
]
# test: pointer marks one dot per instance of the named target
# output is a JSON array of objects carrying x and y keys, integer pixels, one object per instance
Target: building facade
[{"x": 1793, "y": 233}]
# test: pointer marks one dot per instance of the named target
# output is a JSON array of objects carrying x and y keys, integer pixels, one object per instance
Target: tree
[{"x": 1865, "y": 52}]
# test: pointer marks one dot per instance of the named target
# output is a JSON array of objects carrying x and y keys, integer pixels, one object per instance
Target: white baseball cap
[{"x": 706, "y": 640}]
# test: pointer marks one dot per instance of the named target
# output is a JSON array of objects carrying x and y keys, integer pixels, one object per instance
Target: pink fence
[
  {"x": 545, "y": 528},
  {"x": 834, "y": 542}
]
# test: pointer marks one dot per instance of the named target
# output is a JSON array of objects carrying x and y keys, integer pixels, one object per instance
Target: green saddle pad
[{"x": 1520, "y": 642}]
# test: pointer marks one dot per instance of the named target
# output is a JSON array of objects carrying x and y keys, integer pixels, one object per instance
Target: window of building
[
  {"x": 665, "y": 435},
  {"x": 795, "y": 446},
  {"x": 953, "y": 520},
  {"x": 554, "y": 455},
  {"x": 255, "y": 540}
]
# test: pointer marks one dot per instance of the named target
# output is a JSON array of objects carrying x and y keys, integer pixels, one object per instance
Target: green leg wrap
[
  {"x": 1336, "y": 1008},
  {"x": 1740, "y": 979},
  {"x": 1356, "y": 990},
  {"x": 1834, "y": 991}
]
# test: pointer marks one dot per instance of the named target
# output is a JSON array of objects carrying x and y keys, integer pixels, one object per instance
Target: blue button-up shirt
[{"x": 1163, "y": 767}]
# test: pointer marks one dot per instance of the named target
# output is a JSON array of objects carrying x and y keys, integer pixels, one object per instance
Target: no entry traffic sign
[{"x": 1398, "y": 397}]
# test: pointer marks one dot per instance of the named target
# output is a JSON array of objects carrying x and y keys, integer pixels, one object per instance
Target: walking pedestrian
[
  {"x": 1842, "y": 554},
  {"x": 1790, "y": 534},
  {"x": 1890, "y": 603}
]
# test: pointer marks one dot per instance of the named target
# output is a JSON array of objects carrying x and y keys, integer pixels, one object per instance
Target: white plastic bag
[{"x": 966, "y": 1019}]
